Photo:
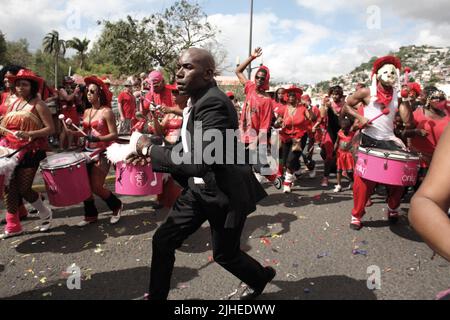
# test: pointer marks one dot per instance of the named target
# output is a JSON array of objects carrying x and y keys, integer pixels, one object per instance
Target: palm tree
[
  {"x": 56, "y": 47},
  {"x": 81, "y": 46}
]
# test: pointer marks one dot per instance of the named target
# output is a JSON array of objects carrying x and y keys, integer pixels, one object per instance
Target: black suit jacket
[{"x": 230, "y": 187}]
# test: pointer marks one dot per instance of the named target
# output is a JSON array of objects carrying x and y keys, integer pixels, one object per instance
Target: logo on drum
[
  {"x": 409, "y": 179},
  {"x": 140, "y": 179},
  {"x": 361, "y": 169}
]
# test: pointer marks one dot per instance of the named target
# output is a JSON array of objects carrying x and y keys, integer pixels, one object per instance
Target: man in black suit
[{"x": 229, "y": 192}]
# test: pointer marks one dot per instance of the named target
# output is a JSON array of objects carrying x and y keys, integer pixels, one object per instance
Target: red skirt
[{"x": 345, "y": 161}]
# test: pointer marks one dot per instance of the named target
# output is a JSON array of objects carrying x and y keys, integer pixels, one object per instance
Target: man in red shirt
[
  {"x": 159, "y": 94},
  {"x": 256, "y": 116},
  {"x": 127, "y": 108}
]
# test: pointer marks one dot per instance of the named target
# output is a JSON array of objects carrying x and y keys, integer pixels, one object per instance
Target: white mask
[{"x": 387, "y": 74}]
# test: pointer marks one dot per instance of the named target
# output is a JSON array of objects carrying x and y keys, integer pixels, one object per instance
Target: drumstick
[
  {"x": 62, "y": 118},
  {"x": 70, "y": 123},
  {"x": 384, "y": 112},
  {"x": 8, "y": 131}
]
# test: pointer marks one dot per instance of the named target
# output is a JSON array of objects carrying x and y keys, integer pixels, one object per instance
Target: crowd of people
[{"x": 400, "y": 121}]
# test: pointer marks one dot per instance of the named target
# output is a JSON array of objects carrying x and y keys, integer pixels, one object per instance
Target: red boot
[{"x": 13, "y": 227}]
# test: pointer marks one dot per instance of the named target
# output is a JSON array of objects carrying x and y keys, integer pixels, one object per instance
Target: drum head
[
  {"x": 124, "y": 138},
  {"x": 4, "y": 152},
  {"x": 389, "y": 154},
  {"x": 62, "y": 160}
]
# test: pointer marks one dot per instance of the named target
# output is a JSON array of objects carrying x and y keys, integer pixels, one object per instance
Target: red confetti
[{"x": 265, "y": 241}]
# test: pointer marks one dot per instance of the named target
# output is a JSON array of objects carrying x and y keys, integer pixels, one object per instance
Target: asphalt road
[{"x": 303, "y": 235}]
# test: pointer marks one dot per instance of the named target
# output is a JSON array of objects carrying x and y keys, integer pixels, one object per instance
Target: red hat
[
  {"x": 380, "y": 62},
  {"x": 101, "y": 85},
  {"x": 306, "y": 97},
  {"x": 27, "y": 74},
  {"x": 414, "y": 86},
  {"x": 407, "y": 70},
  {"x": 298, "y": 92},
  {"x": 230, "y": 94}
]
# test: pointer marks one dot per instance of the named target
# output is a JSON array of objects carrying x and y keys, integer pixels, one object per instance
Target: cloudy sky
[{"x": 302, "y": 41}]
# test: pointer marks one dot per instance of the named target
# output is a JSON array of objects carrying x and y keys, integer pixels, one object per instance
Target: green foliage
[
  {"x": 81, "y": 46},
  {"x": 3, "y": 49},
  {"x": 135, "y": 46},
  {"x": 17, "y": 53}
]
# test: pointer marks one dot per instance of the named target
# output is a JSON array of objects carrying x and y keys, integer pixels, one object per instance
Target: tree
[
  {"x": 17, "y": 53},
  {"x": 81, "y": 46},
  {"x": 3, "y": 49},
  {"x": 135, "y": 46},
  {"x": 179, "y": 27},
  {"x": 56, "y": 47},
  {"x": 124, "y": 44}
]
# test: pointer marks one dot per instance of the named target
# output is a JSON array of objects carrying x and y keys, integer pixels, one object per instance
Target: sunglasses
[
  {"x": 92, "y": 91},
  {"x": 260, "y": 78}
]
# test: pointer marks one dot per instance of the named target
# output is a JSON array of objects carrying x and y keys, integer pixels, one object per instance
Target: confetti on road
[
  {"x": 359, "y": 252},
  {"x": 43, "y": 280},
  {"x": 232, "y": 294},
  {"x": 47, "y": 294},
  {"x": 265, "y": 241},
  {"x": 321, "y": 255},
  {"x": 183, "y": 286}
]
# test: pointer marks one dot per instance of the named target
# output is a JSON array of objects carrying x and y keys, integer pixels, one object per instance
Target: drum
[
  {"x": 137, "y": 180},
  {"x": 123, "y": 139},
  {"x": 66, "y": 179},
  {"x": 390, "y": 167},
  {"x": 4, "y": 153}
]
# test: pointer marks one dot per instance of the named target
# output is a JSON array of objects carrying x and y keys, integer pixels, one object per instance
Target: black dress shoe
[{"x": 251, "y": 294}]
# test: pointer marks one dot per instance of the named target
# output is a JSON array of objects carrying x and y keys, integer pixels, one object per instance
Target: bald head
[
  {"x": 202, "y": 57},
  {"x": 196, "y": 68}
]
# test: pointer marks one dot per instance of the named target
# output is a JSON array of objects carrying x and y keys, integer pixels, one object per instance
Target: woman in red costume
[
  {"x": 100, "y": 125},
  {"x": 30, "y": 120}
]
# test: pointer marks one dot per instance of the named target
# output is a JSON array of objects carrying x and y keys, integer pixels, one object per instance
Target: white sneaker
[
  {"x": 7, "y": 234},
  {"x": 287, "y": 188},
  {"x": 259, "y": 177},
  {"x": 115, "y": 218},
  {"x": 46, "y": 223},
  {"x": 337, "y": 188},
  {"x": 312, "y": 174},
  {"x": 84, "y": 223}
]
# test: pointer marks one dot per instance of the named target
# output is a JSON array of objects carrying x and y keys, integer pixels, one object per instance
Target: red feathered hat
[
  {"x": 380, "y": 62},
  {"x": 101, "y": 85},
  {"x": 26, "y": 74}
]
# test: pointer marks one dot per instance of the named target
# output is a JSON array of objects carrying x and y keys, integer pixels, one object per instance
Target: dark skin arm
[{"x": 350, "y": 108}]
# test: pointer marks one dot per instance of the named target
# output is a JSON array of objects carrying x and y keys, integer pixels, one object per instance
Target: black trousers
[{"x": 187, "y": 216}]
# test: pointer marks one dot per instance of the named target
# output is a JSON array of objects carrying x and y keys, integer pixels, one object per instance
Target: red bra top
[{"x": 97, "y": 128}]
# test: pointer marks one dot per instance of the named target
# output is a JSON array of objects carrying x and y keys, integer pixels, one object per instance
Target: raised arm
[{"x": 241, "y": 68}]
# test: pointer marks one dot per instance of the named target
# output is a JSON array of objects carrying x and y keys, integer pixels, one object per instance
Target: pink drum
[
  {"x": 66, "y": 179},
  {"x": 137, "y": 180},
  {"x": 387, "y": 166}
]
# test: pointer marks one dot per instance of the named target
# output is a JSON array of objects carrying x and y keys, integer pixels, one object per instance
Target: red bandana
[{"x": 384, "y": 96}]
